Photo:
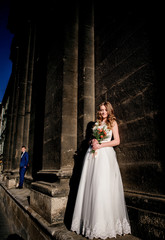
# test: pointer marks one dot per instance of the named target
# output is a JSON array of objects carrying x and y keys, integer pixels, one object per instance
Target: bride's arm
[{"x": 114, "y": 142}]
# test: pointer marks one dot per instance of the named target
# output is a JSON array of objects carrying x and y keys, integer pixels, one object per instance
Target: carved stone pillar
[
  {"x": 86, "y": 88},
  {"x": 15, "y": 99},
  {"x": 12, "y": 110},
  {"x": 36, "y": 99},
  {"x": 23, "y": 73},
  {"x": 9, "y": 115},
  {"x": 60, "y": 127},
  {"x": 30, "y": 75},
  {"x": 60, "y": 123},
  {"x": 70, "y": 92}
]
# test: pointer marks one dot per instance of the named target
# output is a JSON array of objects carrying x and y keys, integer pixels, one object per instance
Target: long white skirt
[{"x": 100, "y": 210}]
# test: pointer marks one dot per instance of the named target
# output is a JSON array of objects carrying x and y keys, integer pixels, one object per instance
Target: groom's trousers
[{"x": 22, "y": 174}]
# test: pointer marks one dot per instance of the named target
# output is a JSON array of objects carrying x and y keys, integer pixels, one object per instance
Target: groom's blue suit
[{"x": 23, "y": 167}]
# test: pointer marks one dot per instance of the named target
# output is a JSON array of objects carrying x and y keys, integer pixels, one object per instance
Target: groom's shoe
[{"x": 19, "y": 187}]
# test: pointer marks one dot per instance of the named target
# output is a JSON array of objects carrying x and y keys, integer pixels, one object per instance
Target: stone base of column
[
  {"x": 54, "y": 175},
  {"x": 50, "y": 199},
  {"x": 10, "y": 183},
  {"x": 11, "y": 180},
  {"x": 5, "y": 174}
]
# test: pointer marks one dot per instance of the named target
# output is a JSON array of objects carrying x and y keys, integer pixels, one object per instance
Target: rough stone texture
[
  {"x": 86, "y": 77},
  {"x": 148, "y": 211},
  {"x": 10, "y": 183},
  {"x": 49, "y": 200},
  {"x": 127, "y": 77},
  {"x": 5, "y": 230},
  {"x": 50, "y": 208}
]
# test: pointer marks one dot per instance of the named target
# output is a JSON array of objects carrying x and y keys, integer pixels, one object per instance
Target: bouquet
[{"x": 99, "y": 133}]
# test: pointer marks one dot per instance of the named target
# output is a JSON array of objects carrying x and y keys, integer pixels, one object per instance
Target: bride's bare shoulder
[{"x": 114, "y": 124}]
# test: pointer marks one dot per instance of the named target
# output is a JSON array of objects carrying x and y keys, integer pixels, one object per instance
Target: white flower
[{"x": 96, "y": 124}]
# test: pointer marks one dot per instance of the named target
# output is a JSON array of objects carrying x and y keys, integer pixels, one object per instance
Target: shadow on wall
[
  {"x": 75, "y": 178},
  {"x": 14, "y": 237}
]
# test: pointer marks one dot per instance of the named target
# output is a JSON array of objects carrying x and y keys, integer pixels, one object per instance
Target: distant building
[
  {"x": 1, "y": 147},
  {"x": 3, "y": 123}
]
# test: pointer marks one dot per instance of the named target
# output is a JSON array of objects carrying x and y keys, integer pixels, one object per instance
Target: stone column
[
  {"x": 70, "y": 92},
  {"x": 12, "y": 118},
  {"x": 36, "y": 99},
  {"x": 30, "y": 75},
  {"x": 11, "y": 122},
  {"x": 6, "y": 134},
  {"x": 6, "y": 150},
  {"x": 86, "y": 88},
  {"x": 60, "y": 126},
  {"x": 23, "y": 73},
  {"x": 15, "y": 74}
]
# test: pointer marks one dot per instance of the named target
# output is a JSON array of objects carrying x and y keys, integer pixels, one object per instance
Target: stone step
[{"x": 126, "y": 237}]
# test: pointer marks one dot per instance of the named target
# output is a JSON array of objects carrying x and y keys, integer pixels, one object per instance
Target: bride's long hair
[{"x": 110, "y": 118}]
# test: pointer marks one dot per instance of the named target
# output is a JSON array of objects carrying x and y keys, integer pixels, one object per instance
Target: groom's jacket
[{"x": 24, "y": 159}]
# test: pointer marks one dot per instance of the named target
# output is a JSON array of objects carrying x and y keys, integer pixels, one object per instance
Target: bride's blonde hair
[{"x": 110, "y": 118}]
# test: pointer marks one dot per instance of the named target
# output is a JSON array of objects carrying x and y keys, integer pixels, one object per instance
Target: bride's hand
[
  {"x": 96, "y": 146},
  {"x": 94, "y": 141}
]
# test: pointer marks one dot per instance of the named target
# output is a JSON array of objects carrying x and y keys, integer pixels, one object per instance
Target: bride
[{"x": 100, "y": 210}]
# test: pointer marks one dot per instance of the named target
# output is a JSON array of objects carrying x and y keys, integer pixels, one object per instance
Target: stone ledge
[
  {"x": 151, "y": 202},
  {"x": 51, "y": 189},
  {"x": 64, "y": 173},
  {"x": 52, "y": 231}
]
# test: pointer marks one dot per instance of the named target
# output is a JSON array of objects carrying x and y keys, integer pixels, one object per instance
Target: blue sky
[{"x": 5, "y": 43}]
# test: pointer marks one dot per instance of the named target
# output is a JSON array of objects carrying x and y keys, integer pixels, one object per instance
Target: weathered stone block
[
  {"x": 10, "y": 183},
  {"x": 148, "y": 211},
  {"x": 48, "y": 201},
  {"x": 50, "y": 208}
]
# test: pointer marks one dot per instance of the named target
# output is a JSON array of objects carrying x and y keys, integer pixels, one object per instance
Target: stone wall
[{"x": 127, "y": 77}]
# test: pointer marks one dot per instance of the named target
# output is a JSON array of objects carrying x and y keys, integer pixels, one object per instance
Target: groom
[{"x": 23, "y": 166}]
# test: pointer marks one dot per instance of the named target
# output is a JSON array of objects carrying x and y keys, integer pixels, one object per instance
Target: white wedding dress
[{"x": 100, "y": 210}]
